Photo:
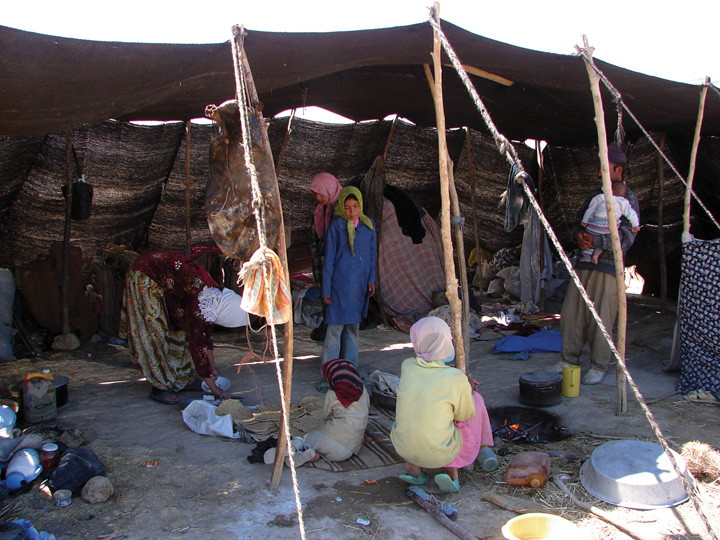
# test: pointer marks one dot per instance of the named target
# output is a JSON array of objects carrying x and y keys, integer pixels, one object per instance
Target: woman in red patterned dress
[{"x": 170, "y": 307}]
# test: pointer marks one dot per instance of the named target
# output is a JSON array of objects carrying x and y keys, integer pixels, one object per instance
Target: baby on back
[{"x": 595, "y": 219}]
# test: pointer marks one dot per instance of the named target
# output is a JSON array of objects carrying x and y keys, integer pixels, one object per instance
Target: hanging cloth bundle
[
  {"x": 82, "y": 194},
  {"x": 254, "y": 291}
]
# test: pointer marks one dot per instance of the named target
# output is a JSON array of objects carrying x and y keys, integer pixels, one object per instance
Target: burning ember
[{"x": 522, "y": 424}]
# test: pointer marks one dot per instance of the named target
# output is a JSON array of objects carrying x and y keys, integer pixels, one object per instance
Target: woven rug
[{"x": 378, "y": 452}]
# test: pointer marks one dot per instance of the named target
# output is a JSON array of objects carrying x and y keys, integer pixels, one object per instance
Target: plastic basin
[{"x": 539, "y": 527}]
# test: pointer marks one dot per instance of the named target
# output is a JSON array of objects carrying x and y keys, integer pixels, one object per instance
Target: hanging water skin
[{"x": 228, "y": 193}]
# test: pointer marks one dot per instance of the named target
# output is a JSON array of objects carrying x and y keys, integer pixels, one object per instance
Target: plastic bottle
[
  {"x": 23, "y": 468},
  {"x": 528, "y": 469},
  {"x": 487, "y": 458},
  {"x": 39, "y": 402}
]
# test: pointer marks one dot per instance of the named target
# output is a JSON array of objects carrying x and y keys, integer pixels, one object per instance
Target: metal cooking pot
[{"x": 540, "y": 388}]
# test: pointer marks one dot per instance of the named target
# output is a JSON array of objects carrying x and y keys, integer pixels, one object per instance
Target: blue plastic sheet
[{"x": 543, "y": 341}]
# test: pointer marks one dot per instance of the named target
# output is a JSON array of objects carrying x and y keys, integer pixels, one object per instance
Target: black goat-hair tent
[{"x": 50, "y": 85}]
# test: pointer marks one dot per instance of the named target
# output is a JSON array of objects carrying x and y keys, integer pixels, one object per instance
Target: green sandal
[
  {"x": 447, "y": 484},
  {"x": 419, "y": 480},
  {"x": 323, "y": 387}
]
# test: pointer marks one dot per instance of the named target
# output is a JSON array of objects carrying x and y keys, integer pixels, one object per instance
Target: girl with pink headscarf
[
  {"x": 325, "y": 188},
  {"x": 440, "y": 421}
]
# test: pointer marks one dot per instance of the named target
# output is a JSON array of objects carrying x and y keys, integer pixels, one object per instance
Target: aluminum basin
[{"x": 634, "y": 474}]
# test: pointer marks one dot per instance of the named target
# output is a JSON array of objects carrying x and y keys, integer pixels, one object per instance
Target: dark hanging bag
[{"x": 82, "y": 195}]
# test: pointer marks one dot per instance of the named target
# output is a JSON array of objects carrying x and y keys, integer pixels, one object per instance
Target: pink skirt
[{"x": 476, "y": 432}]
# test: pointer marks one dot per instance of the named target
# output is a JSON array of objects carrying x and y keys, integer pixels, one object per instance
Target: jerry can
[
  {"x": 530, "y": 469},
  {"x": 38, "y": 395}
]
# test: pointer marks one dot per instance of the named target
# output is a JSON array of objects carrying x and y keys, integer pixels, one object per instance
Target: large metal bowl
[
  {"x": 634, "y": 474},
  {"x": 384, "y": 401}
]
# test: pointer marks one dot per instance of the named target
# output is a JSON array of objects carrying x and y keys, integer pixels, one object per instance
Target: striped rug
[{"x": 378, "y": 452}]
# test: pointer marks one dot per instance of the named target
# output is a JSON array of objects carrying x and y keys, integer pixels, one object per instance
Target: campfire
[{"x": 526, "y": 425}]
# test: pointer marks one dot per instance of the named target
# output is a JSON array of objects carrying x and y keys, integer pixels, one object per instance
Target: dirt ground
[{"x": 204, "y": 488}]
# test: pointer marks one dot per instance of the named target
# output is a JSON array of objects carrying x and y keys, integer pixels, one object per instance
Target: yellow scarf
[{"x": 340, "y": 211}]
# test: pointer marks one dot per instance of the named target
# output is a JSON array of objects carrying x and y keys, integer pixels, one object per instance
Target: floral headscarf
[
  {"x": 324, "y": 184},
  {"x": 340, "y": 211}
]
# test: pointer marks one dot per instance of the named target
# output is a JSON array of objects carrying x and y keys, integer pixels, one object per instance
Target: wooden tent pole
[
  {"x": 661, "y": 231},
  {"x": 460, "y": 244},
  {"x": 451, "y": 284},
  {"x": 693, "y": 156},
  {"x": 541, "y": 203},
  {"x": 188, "y": 230},
  {"x": 389, "y": 138},
  {"x": 473, "y": 195},
  {"x": 286, "y": 138},
  {"x": 65, "y": 279},
  {"x": 617, "y": 250},
  {"x": 282, "y": 255}
]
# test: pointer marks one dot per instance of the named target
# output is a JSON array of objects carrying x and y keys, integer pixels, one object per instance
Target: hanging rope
[
  {"x": 504, "y": 148},
  {"x": 617, "y": 96},
  {"x": 259, "y": 211}
]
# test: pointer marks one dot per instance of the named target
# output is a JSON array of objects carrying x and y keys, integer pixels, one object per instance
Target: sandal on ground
[
  {"x": 419, "y": 480},
  {"x": 194, "y": 386},
  {"x": 166, "y": 397},
  {"x": 323, "y": 387},
  {"x": 447, "y": 484}
]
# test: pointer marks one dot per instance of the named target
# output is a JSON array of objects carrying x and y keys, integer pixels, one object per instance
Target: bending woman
[
  {"x": 440, "y": 420},
  {"x": 169, "y": 309}
]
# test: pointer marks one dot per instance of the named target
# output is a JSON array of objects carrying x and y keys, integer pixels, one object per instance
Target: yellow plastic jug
[{"x": 571, "y": 381}]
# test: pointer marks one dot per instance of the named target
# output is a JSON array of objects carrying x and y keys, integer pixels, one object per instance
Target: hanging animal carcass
[{"x": 228, "y": 193}]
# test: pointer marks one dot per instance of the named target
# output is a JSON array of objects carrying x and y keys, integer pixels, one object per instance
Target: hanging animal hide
[{"x": 228, "y": 193}]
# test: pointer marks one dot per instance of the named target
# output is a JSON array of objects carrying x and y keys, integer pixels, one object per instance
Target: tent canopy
[{"x": 51, "y": 84}]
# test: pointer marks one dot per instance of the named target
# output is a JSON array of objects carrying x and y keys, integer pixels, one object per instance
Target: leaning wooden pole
[
  {"x": 460, "y": 245},
  {"x": 282, "y": 255},
  {"x": 188, "y": 230},
  {"x": 612, "y": 223},
  {"x": 473, "y": 195},
  {"x": 661, "y": 229},
  {"x": 693, "y": 156},
  {"x": 451, "y": 283},
  {"x": 65, "y": 279}
]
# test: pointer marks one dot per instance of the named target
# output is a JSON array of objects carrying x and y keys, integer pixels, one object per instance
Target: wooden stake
[
  {"x": 473, "y": 195},
  {"x": 282, "y": 255},
  {"x": 451, "y": 284},
  {"x": 661, "y": 231},
  {"x": 188, "y": 230},
  {"x": 693, "y": 156},
  {"x": 612, "y": 223},
  {"x": 441, "y": 518}
]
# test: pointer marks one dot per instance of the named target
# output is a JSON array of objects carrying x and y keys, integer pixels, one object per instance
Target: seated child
[
  {"x": 595, "y": 219},
  {"x": 440, "y": 422},
  {"x": 345, "y": 414}
]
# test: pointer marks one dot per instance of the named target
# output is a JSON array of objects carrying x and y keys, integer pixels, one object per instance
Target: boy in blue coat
[{"x": 348, "y": 276}]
